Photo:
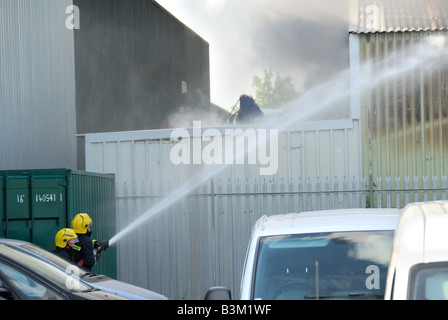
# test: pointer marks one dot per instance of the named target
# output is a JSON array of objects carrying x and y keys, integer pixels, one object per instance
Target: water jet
[{"x": 322, "y": 98}]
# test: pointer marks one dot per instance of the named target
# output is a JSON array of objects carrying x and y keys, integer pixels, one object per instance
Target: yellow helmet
[
  {"x": 63, "y": 236},
  {"x": 81, "y": 222}
]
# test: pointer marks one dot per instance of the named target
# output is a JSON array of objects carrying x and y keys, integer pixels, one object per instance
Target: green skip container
[{"x": 36, "y": 204}]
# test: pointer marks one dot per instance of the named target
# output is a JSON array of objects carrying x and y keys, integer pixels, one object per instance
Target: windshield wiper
[
  {"x": 89, "y": 275},
  {"x": 346, "y": 295}
]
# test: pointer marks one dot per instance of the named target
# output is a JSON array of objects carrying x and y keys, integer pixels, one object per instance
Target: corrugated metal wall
[
  {"x": 37, "y": 85},
  {"x": 405, "y": 120},
  {"x": 322, "y": 149},
  {"x": 200, "y": 241}
]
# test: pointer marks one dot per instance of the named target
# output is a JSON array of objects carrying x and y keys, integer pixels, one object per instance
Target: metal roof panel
[{"x": 372, "y": 16}]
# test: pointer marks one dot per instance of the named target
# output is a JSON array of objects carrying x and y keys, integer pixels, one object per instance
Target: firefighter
[
  {"x": 81, "y": 224},
  {"x": 66, "y": 240}
]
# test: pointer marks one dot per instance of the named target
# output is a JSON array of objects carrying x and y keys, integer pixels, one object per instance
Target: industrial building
[{"x": 73, "y": 67}]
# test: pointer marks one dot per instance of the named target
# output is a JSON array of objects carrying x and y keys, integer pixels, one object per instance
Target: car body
[
  {"x": 24, "y": 276},
  {"x": 419, "y": 264},
  {"x": 331, "y": 254},
  {"x": 99, "y": 282}
]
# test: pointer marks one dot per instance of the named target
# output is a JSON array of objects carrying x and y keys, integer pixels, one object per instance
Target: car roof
[
  {"x": 14, "y": 242},
  {"x": 337, "y": 220}
]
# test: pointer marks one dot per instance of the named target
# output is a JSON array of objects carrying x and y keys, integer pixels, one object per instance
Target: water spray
[{"x": 315, "y": 100}]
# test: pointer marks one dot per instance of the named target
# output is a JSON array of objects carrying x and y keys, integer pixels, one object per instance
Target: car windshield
[
  {"x": 323, "y": 266},
  {"x": 65, "y": 279},
  {"x": 57, "y": 260}
]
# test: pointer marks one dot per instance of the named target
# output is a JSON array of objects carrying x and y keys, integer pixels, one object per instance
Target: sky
[{"x": 307, "y": 40}]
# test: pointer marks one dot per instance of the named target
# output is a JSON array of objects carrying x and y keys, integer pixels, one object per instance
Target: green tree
[{"x": 273, "y": 92}]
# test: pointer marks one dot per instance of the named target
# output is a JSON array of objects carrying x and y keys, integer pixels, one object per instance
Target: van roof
[
  {"x": 423, "y": 226},
  {"x": 329, "y": 221}
]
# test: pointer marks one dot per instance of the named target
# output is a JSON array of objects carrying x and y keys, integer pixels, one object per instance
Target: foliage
[{"x": 273, "y": 92}]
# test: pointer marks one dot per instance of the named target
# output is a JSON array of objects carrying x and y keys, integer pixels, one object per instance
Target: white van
[
  {"x": 332, "y": 254},
  {"x": 419, "y": 264}
]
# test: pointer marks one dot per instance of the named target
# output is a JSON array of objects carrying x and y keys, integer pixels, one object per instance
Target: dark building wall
[{"x": 131, "y": 57}]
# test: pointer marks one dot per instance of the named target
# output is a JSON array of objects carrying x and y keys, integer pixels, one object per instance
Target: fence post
[
  {"x": 291, "y": 196},
  {"x": 415, "y": 188},
  {"x": 282, "y": 196},
  {"x": 388, "y": 194},
  {"x": 327, "y": 193},
  {"x": 371, "y": 190},
  {"x": 362, "y": 184},
  {"x": 257, "y": 211},
  {"x": 318, "y": 194},
  {"x": 309, "y": 197},
  {"x": 355, "y": 201},
  {"x": 247, "y": 207},
  {"x": 336, "y": 194},
  {"x": 406, "y": 186},
  {"x": 274, "y": 204},
  {"x": 434, "y": 186},
  {"x": 213, "y": 231},
  {"x": 425, "y": 186},
  {"x": 379, "y": 185},
  {"x": 300, "y": 197},
  {"x": 221, "y": 230},
  {"x": 397, "y": 192},
  {"x": 345, "y": 196},
  {"x": 443, "y": 180},
  {"x": 264, "y": 190}
]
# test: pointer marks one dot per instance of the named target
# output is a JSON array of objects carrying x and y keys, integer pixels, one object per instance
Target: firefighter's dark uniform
[
  {"x": 81, "y": 225},
  {"x": 86, "y": 256},
  {"x": 68, "y": 253}
]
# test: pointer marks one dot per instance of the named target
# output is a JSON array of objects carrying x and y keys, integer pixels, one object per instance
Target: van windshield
[
  {"x": 429, "y": 281},
  {"x": 341, "y": 265}
]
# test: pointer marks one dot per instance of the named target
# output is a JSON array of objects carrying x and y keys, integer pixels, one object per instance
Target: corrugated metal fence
[{"x": 201, "y": 240}]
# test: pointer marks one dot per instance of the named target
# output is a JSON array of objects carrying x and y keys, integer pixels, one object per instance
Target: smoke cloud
[{"x": 307, "y": 40}]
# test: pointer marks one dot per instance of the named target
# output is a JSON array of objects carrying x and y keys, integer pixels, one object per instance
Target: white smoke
[{"x": 301, "y": 38}]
